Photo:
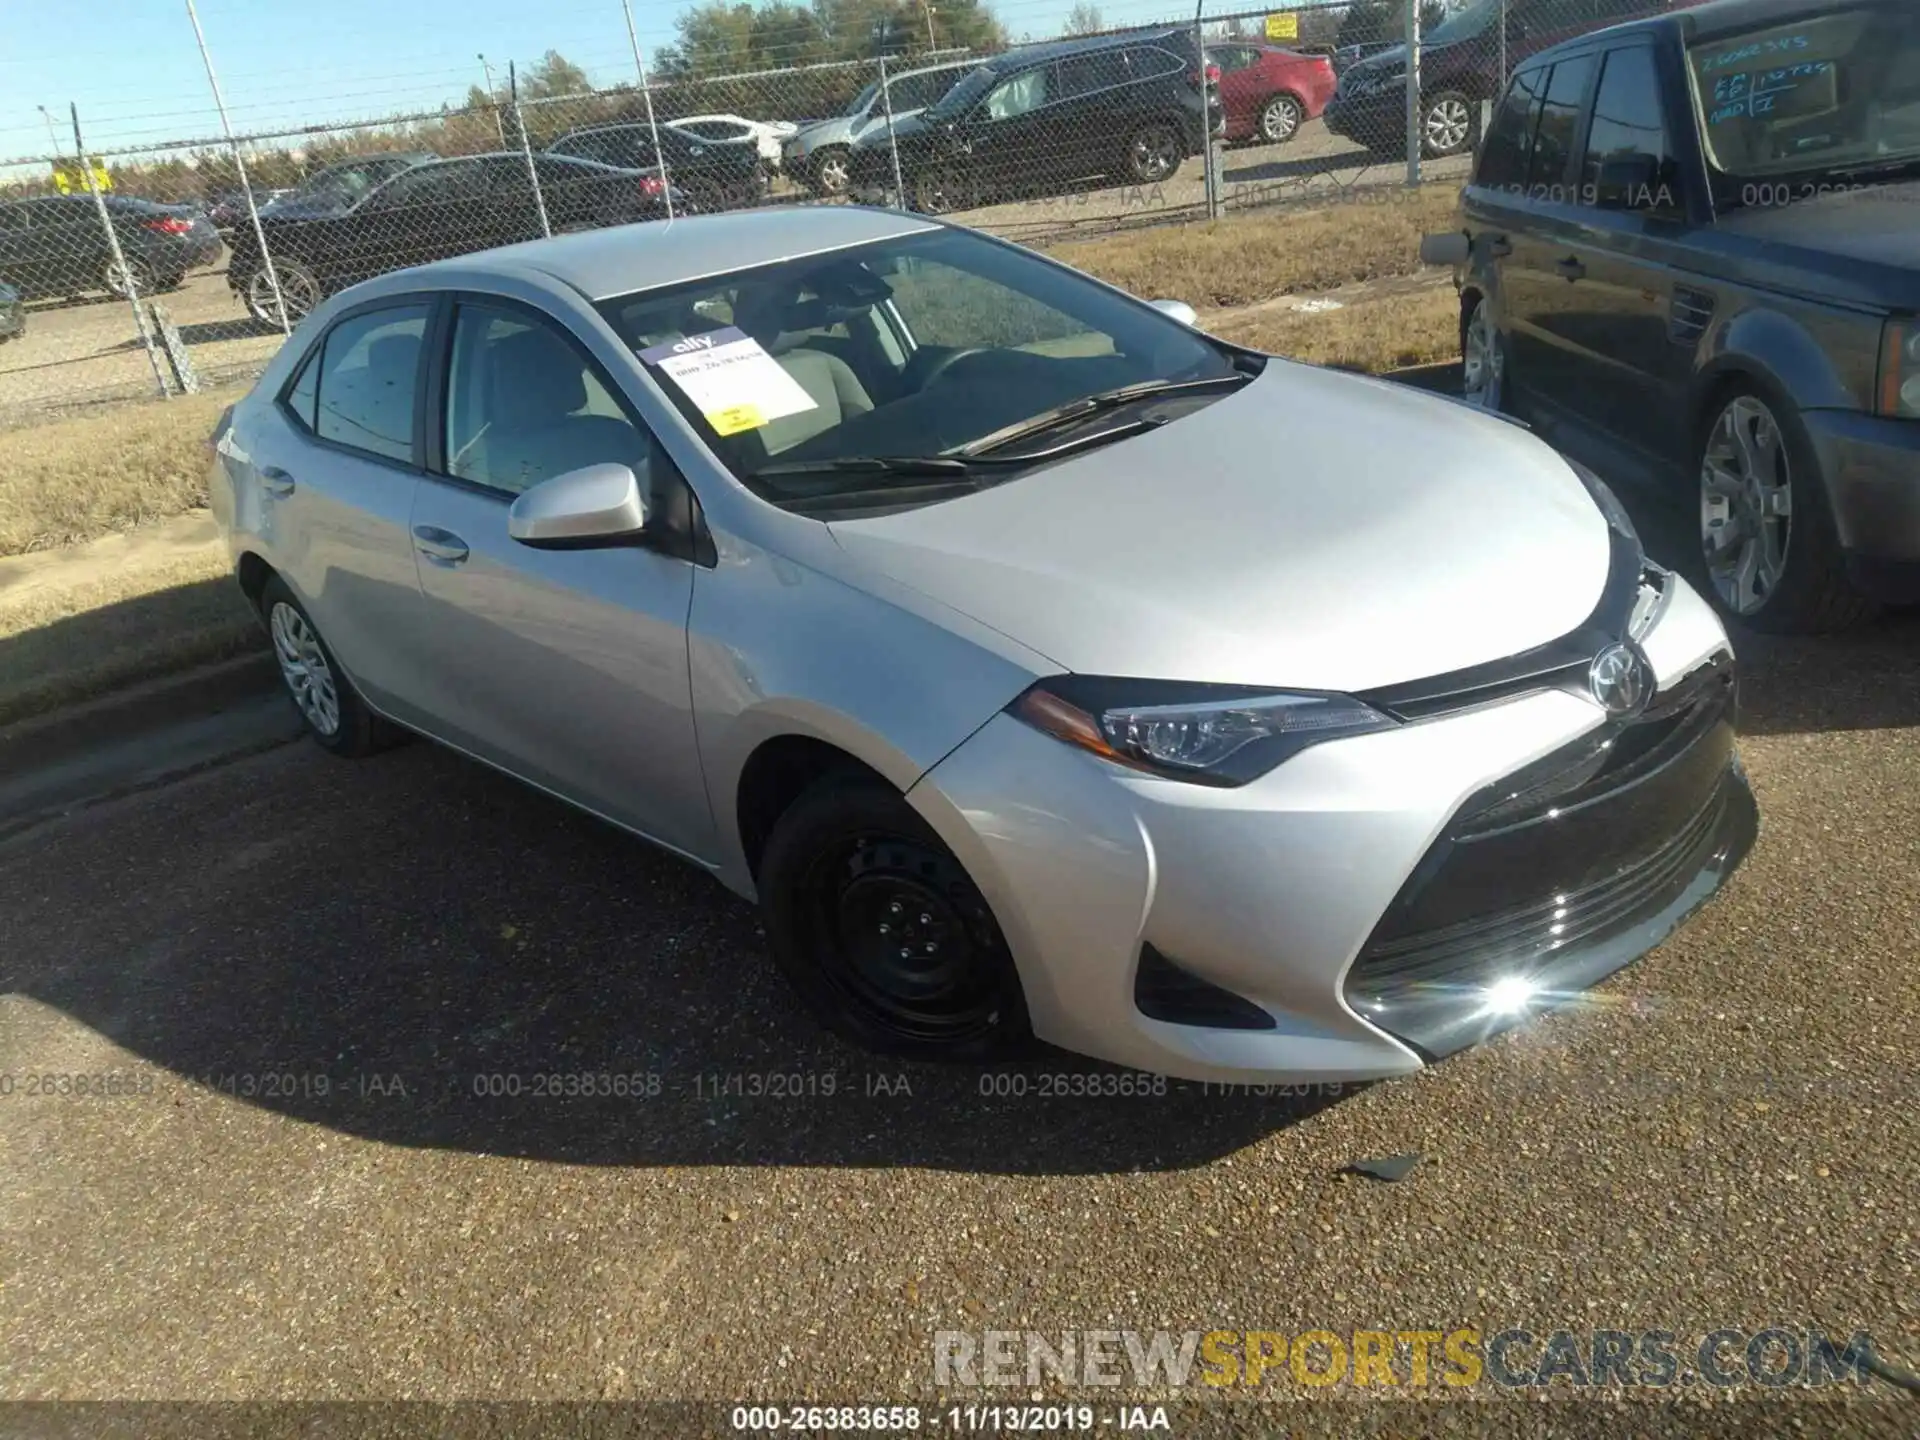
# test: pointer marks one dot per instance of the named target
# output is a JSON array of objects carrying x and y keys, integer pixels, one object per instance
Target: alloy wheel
[
  {"x": 1280, "y": 119},
  {"x": 303, "y": 665},
  {"x": 1448, "y": 124},
  {"x": 1746, "y": 505},
  {"x": 1483, "y": 368},
  {"x": 135, "y": 277},
  {"x": 298, "y": 288},
  {"x": 832, "y": 173},
  {"x": 1154, "y": 153}
]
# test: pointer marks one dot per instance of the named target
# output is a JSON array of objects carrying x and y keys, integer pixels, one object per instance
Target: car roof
[
  {"x": 625, "y": 258},
  {"x": 1697, "y": 22},
  {"x": 1060, "y": 49}
]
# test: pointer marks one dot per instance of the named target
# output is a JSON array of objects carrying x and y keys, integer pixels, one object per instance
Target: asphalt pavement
[{"x": 426, "y": 1086}]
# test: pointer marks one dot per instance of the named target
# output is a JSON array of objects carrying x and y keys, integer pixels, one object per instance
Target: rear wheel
[
  {"x": 1772, "y": 555},
  {"x": 134, "y": 277},
  {"x": 1154, "y": 152},
  {"x": 335, "y": 715},
  {"x": 882, "y": 931},
  {"x": 1280, "y": 119}
]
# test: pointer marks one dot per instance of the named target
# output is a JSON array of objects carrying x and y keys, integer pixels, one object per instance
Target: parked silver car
[
  {"x": 976, "y": 618},
  {"x": 817, "y": 153}
]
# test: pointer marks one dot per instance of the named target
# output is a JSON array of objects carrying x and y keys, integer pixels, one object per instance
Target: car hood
[
  {"x": 1855, "y": 245},
  {"x": 1312, "y": 529},
  {"x": 910, "y": 125},
  {"x": 837, "y": 131}
]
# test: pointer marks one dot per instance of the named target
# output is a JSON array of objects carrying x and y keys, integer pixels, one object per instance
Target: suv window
[
  {"x": 1150, "y": 62},
  {"x": 1082, "y": 74},
  {"x": 1559, "y": 119},
  {"x": 1628, "y": 124},
  {"x": 1024, "y": 92},
  {"x": 366, "y": 378},
  {"x": 1508, "y": 151},
  {"x": 524, "y": 405},
  {"x": 432, "y": 185}
]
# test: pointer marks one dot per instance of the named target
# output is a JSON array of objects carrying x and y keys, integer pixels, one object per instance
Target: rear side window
[
  {"x": 1559, "y": 121},
  {"x": 302, "y": 394},
  {"x": 1628, "y": 125},
  {"x": 366, "y": 379},
  {"x": 1508, "y": 151}
]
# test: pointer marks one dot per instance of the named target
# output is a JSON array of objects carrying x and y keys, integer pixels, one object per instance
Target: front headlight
[
  {"x": 1207, "y": 734},
  {"x": 1900, "y": 370}
]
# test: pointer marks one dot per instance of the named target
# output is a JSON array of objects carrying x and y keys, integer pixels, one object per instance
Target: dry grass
[
  {"x": 1248, "y": 258},
  {"x": 1421, "y": 328},
  {"x": 58, "y": 646},
  {"x": 74, "y": 479}
]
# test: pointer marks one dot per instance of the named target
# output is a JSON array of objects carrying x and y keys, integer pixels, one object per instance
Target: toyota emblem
[{"x": 1620, "y": 680}]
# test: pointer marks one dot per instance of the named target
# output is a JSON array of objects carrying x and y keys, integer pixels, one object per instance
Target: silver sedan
[{"x": 1045, "y": 668}]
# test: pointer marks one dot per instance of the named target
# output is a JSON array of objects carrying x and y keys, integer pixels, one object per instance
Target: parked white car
[{"x": 768, "y": 136}]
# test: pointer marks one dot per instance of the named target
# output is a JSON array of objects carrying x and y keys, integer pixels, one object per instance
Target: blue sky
[{"x": 133, "y": 69}]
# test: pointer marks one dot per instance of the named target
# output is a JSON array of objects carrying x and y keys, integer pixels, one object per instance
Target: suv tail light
[
  {"x": 652, "y": 186},
  {"x": 169, "y": 225}
]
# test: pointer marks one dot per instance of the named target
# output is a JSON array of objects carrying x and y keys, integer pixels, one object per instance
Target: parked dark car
[
  {"x": 228, "y": 209},
  {"x": 714, "y": 174},
  {"x": 1690, "y": 256},
  {"x": 1460, "y": 66},
  {"x": 13, "y": 315},
  {"x": 428, "y": 212},
  {"x": 1034, "y": 122},
  {"x": 54, "y": 245}
]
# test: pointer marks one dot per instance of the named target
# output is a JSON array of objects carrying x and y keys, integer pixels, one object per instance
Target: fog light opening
[{"x": 1509, "y": 995}]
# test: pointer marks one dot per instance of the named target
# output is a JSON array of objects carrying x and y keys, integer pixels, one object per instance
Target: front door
[{"x": 566, "y": 667}]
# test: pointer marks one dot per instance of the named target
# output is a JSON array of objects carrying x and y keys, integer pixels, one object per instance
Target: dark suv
[
  {"x": 1692, "y": 257},
  {"x": 1462, "y": 61},
  {"x": 1033, "y": 122}
]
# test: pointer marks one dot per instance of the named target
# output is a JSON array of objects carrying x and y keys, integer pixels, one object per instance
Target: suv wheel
[
  {"x": 1483, "y": 359},
  {"x": 299, "y": 289},
  {"x": 1447, "y": 125},
  {"x": 882, "y": 931},
  {"x": 1772, "y": 555},
  {"x": 1153, "y": 153},
  {"x": 1280, "y": 120}
]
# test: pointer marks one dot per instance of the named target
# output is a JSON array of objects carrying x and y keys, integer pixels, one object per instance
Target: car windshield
[
  {"x": 809, "y": 377},
  {"x": 863, "y": 100},
  {"x": 1465, "y": 24},
  {"x": 971, "y": 88},
  {"x": 1838, "y": 92}
]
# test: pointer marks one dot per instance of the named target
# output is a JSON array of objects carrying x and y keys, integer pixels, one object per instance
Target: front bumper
[
  {"x": 1376, "y": 118},
  {"x": 1872, "y": 469},
  {"x": 1283, "y": 894}
]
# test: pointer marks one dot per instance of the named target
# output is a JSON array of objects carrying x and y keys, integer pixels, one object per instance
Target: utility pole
[
  {"x": 653, "y": 126},
  {"x": 931, "y": 43},
  {"x": 53, "y": 133},
  {"x": 493, "y": 98}
]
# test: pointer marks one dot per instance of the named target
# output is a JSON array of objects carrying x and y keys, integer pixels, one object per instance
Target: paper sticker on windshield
[{"x": 733, "y": 383}]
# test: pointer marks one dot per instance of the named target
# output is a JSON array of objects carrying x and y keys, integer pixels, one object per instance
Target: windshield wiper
[
  {"x": 1092, "y": 405},
  {"x": 943, "y": 465}
]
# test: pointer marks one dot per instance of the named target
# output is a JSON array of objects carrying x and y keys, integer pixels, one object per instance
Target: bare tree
[{"x": 1084, "y": 19}]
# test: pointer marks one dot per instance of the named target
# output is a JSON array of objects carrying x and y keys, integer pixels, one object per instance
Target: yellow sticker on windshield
[{"x": 735, "y": 418}]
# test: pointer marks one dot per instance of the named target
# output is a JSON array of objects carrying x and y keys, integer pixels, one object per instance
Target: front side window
[
  {"x": 916, "y": 346},
  {"x": 364, "y": 388},
  {"x": 1838, "y": 92},
  {"x": 1023, "y": 93},
  {"x": 1559, "y": 121},
  {"x": 1507, "y": 154},
  {"x": 1629, "y": 134},
  {"x": 524, "y": 405}
]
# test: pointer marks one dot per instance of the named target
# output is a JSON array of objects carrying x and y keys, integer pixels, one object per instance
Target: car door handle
[
  {"x": 276, "y": 482},
  {"x": 442, "y": 547},
  {"x": 1571, "y": 267}
]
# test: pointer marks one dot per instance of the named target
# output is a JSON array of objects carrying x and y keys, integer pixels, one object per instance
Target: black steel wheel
[{"x": 882, "y": 930}]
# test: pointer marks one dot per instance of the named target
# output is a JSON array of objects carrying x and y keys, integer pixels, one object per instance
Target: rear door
[
  {"x": 566, "y": 667},
  {"x": 334, "y": 467},
  {"x": 1243, "y": 84}
]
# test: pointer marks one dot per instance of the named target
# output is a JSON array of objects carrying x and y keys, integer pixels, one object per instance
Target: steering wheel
[{"x": 943, "y": 363}]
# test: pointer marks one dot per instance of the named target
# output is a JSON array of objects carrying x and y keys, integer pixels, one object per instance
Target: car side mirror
[
  {"x": 580, "y": 509},
  {"x": 1627, "y": 182},
  {"x": 1177, "y": 310},
  {"x": 1449, "y": 249}
]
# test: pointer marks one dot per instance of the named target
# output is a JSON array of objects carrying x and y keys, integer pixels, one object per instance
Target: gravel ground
[{"x": 1726, "y": 1135}]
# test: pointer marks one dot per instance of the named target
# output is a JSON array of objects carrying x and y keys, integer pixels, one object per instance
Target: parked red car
[{"x": 1270, "y": 93}]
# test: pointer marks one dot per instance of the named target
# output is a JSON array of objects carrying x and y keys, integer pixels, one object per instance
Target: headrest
[{"x": 533, "y": 379}]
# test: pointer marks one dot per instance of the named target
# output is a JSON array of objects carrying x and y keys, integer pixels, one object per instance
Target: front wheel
[
  {"x": 830, "y": 176},
  {"x": 1483, "y": 359},
  {"x": 882, "y": 931},
  {"x": 1772, "y": 555},
  {"x": 1154, "y": 152},
  {"x": 299, "y": 289},
  {"x": 1447, "y": 125},
  {"x": 940, "y": 191}
]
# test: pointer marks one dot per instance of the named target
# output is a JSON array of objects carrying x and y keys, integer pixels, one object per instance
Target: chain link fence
[{"x": 162, "y": 269}]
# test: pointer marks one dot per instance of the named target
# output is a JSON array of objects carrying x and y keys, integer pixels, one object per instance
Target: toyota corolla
[{"x": 963, "y": 612}]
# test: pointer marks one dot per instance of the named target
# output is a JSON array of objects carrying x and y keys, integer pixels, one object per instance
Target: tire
[
  {"x": 139, "y": 278},
  {"x": 1153, "y": 153},
  {"x": 328, "y": 705},
  {"x": 1483, "y": 359},
  {"x": 1280, "y": 120},
  {"x": 827, "y": 171},
  {"x": 851, "y": 879},
  {"x": 170, "y": 283},
  {"x": 1771, "y": 550},
  {"x": 1449, "y": 125},
  {"x": 940, "y": 191},
  {"x": 299, "y": 287}
]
